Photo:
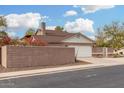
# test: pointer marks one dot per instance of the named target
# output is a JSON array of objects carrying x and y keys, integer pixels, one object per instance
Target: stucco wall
[
  {"x": 4, "y": 56},
  {"x": 20, "y": 56},
  {"x": 77, "y": 39}
]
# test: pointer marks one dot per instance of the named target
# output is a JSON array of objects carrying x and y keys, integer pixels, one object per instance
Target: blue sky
[{"x": 68, "y": 16}]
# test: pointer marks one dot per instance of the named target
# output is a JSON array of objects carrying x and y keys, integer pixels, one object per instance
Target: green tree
[
  {"x": 15, "y": 41},
  {"x": 3, "y": 22},
  {"x": 101, "y": 38},
  {"x": 113, "y": 35},
  {"x": 3, "y": 26},
  {"x": 59, "y": 28},
  {"x": 30, "y": 31},
  {"x": 3, "y": 33}
]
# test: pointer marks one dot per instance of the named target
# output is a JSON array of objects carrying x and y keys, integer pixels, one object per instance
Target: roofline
[
  {"x": 87, "y": 37},
  {"x": 70, "y": 43},
  {"x": 73, "y": 35},
  {"x": 36, "y": 32},
  {"x": 25, "y": 36},
  {"x": 82, "y": 35}
]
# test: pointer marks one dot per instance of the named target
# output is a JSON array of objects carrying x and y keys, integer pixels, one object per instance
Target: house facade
[{"x": 81, "y": 43}]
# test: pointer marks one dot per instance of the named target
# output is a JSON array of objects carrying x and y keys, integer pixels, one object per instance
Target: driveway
[{"x": 104, "y": 61}]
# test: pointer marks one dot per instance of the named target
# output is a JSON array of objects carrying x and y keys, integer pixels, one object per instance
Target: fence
[
  {"x": 20, "y": 56},
  {"x": 102, "y": 52}
]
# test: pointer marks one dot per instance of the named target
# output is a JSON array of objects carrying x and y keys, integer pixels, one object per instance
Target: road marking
[{"x": 92, "y": 75}]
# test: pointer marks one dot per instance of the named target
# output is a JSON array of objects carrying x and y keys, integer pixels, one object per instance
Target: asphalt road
[{"x": 108, "y": 77}]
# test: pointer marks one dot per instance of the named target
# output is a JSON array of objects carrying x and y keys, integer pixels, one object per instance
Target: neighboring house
[{"x": 81, "y": 43}]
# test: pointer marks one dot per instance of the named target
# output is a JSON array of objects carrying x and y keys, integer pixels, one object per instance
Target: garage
[{"x": 83, "y": 51}]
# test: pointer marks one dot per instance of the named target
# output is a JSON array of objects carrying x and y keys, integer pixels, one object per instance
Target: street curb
[
  {"x": 45, "y": 73},
  {"x": 40, "y": 72}
]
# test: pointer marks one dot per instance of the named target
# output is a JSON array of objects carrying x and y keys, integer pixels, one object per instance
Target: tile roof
[{"x": 53, "y": 36}]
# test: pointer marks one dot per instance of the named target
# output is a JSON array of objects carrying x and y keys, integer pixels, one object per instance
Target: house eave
[
  {"x": 70, "y": 43},
  {"x": 92, "y": 41}
]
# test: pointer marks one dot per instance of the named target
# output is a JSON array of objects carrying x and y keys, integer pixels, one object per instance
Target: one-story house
[{"x": 81, "y": 43}]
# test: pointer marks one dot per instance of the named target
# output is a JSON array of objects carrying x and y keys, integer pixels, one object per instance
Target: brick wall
[{"x": 20, "y": 56}]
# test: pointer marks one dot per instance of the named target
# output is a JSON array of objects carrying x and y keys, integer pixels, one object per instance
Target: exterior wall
[
  {"x": 82, "y": 51},
  {"x": 4, "y": 56},
  {"x": 77, "y": 39},
  {"x": 39, "y": 32},
  {"x": 20, "y": 56},
  {"x": 102, "y": 52}
]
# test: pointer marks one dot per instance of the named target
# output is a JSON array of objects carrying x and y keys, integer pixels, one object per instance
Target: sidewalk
[
  {"x": 104, "y": 61},
  {"x": 26, "y": 73},
  {"x": 96, "y": 63}
]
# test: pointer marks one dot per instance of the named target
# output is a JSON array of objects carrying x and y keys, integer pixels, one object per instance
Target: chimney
[
  {"x": 41, "y": 29},
  {"x": 43, "y": 26}
]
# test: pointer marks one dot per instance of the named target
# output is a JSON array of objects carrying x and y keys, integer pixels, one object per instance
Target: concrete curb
[
  {"x": 26, "y": 73},
  {"x": 10, "y": 75}
]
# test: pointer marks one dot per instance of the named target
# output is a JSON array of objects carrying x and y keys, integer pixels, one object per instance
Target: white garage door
[{"x": 83, "y": 51}]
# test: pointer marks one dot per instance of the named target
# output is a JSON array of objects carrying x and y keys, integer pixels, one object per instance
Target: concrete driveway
[{"x": 104, "y": 61}]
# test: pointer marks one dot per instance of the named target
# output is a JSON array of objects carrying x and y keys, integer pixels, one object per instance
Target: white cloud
[
  {"x": 11, "y": 34},
  {"x": 51, "y": 27},
  {"x": 21, "y": 22},
  {"x": 75, "y": 6},
  {"x": 70, "y": 13},
  {"x": 79, "y": 25},
  {"x": 94, "y": 8},
  {"x": 45, "y": 17},
  {"x": 92, "y": 37}
]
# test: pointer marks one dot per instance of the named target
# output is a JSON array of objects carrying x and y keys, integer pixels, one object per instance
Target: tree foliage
[
  {"x": 15, "y": 41},
  {"x": 111, "y": 35},
  {"x": 3, "y": 23},
  {"x": 30, "y": 31},
  {"x": 59, "y": 28},
  {"x": 3, "y": 33}
]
